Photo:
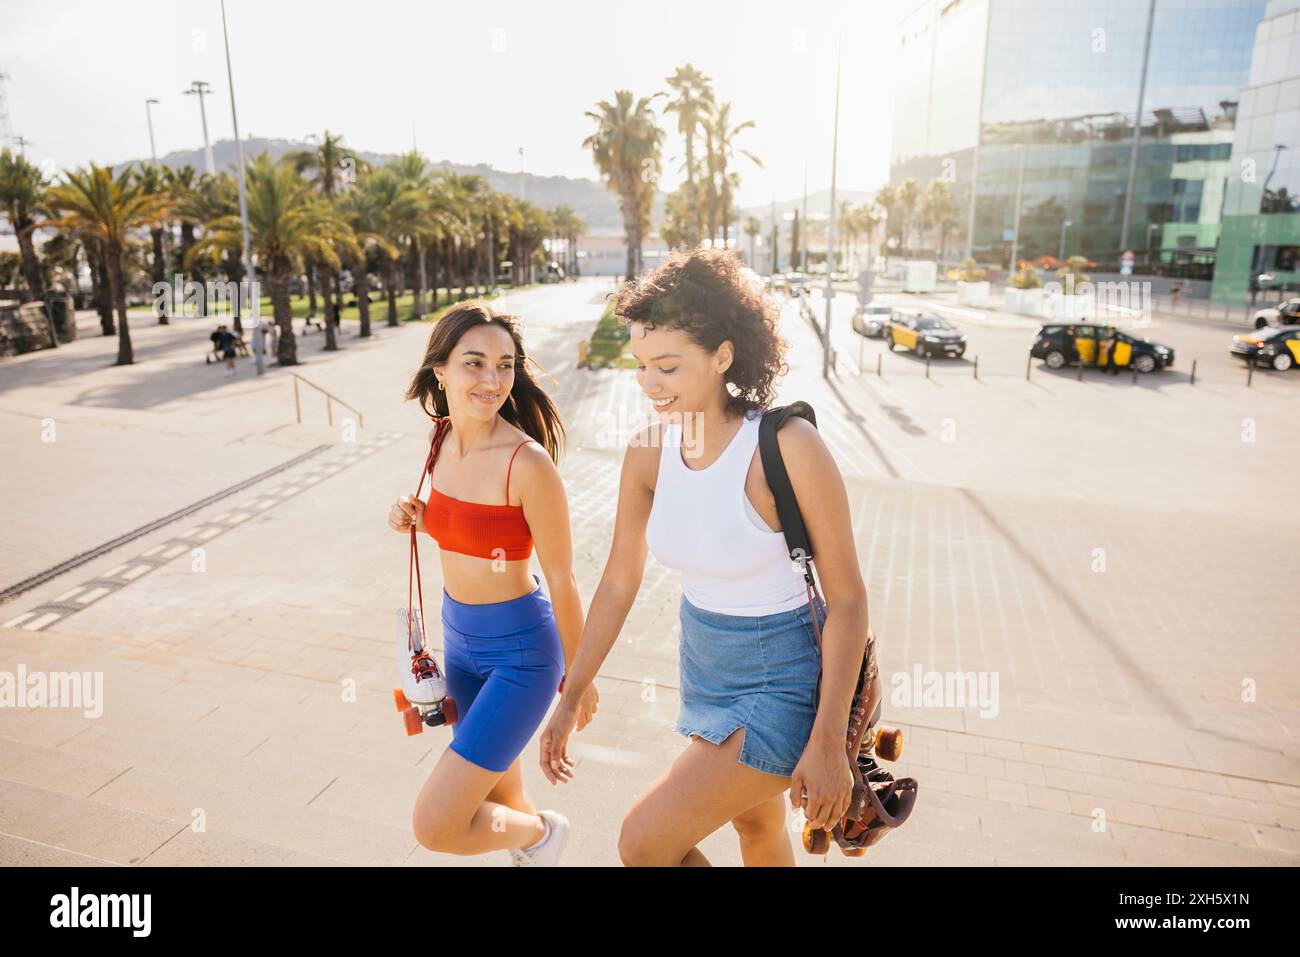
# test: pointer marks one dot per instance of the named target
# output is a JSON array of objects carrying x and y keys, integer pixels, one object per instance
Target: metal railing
[{"x": 330, "y": 399}]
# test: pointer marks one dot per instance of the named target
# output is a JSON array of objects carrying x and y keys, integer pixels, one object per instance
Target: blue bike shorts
[{"x": 504, "y": 662}]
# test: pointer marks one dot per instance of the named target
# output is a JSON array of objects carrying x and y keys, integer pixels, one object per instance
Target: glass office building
[
  {"x": 1040, "y": 98},
  {"x": 1260, "y": 245}
]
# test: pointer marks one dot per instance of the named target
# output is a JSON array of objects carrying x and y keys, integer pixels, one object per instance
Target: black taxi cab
[
  {"x": 1278, "y": 348},
  {"x": 1060, "y": 344},
  {"x": 924, "y": 334}
]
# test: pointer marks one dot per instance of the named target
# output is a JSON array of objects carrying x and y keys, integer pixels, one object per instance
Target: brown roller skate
[{"x": 880, "y": 801}]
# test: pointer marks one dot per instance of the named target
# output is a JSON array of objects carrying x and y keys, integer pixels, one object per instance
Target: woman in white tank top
[{"x": 693, "y": 492}]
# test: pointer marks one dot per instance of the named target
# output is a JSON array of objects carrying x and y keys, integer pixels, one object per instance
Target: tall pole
[
  {"x": 1137, "y": 130},
  {"x": 979, "y": 127},
  {"x": 1020, "y": 192},
  {"x": 153, "y": 152},
  {"x": 199, "y": 88},
  {"x": 830, "y": 234},
  {"x": 1064, "y": 226},
  {"x": 803, "y": 236},
  {"x": 246, "y": 253}
]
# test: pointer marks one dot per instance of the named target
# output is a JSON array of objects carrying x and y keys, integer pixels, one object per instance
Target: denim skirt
[{"x": 757, "y": 672}]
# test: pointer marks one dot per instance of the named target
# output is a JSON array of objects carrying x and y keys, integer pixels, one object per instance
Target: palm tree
[
  {"x": 753, "y": 228},
  {"x": 412, "y": 173},
  {"x": 363, "y": 210},
  {"x": 722, "y": 135},
  {"x": 939, "y": 210},
  {"x": 286, "y": 222},
  {"x": 909, "y": 194},
  {"x": 626, "y": 149},
  {"x": 93, "y": 204},
  {"x": 570, "y": 226},
  {"x": 152, "y": 182},
  {"x": 398, "y": 207},
  {"x": 694, "y": 101},
  {"x": 334, "y": 167},
  {"x": 22, "y": 193}
]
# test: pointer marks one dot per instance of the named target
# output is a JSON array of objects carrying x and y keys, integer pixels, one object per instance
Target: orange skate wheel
[
  {"x": 889, "y": 743},
  {"x": 815, "y": 841},
  {"x": 449, "y": 710},
  {"x": 413, "y": 720},
  {"x": 400, "y": 699},
  {"x": 854, "y": 851}
]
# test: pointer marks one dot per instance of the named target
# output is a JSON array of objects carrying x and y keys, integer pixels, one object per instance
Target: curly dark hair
[{"x": 703, "y": 293}]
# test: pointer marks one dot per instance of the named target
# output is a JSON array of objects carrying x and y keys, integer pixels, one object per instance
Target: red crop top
[{"x": 471, "y": 528}]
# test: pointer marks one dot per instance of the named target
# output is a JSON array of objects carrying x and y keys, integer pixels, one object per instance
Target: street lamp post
[
  {"x": 246, "y": 253},
  {"x": 153, "y": 152},
  {"x": 830, "y": 236},
  {"x": 1064, "y": 226},
  {"x": 1151, "y": 228},
  {"x": 199, "y": 88}
]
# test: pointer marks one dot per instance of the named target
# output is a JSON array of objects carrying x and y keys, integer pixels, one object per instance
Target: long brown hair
[{"x": 528, "y": 407}]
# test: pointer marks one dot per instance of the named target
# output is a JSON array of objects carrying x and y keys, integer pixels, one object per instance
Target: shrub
[{"x": 971, "y": 272}]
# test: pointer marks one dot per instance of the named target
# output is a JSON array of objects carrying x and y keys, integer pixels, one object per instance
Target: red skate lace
[{"x": 421, "y": 664}]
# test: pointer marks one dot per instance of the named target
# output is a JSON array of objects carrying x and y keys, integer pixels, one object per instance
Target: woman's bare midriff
[{"x": 484, "y": 581}]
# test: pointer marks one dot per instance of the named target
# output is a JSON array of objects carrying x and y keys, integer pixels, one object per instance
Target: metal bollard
[
  {"x": 1135, "y": 376},
  {"x": 977, "y": 368},
  {"x": 1193, "y": 372},
  {"x": 927, "y": 367},
  {"x": 1029, "y": 363},
  {"x": 1250, "y": 373},
  {"x": 879, "y": 356},
  {"x": 1080, "y": 370}
]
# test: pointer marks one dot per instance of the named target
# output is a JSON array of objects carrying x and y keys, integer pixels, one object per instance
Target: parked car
[
  {"x": 795, "y": 283},
  {"x": 924, "y": 334},
  {"x": 1284, "y": 313},
  {"x": 1087, "y": 344},
  {"x": 871, "y": 321},
  {"x": 1277, "y": 348}
]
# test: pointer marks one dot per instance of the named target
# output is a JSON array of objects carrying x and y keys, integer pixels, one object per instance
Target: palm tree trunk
[
  {"x": 277, "y": 278},
  {"x": 117, "y": 283},
  {"x": 331, "y": 313},
  {"x": 311, "y": 290},
  {"x": 420, "y": 278},
  {"x": 156, "y": 267},
  {"x": 31, "y": 266},
  {"x": 361, "y": 286},
  {"x": 390, "y": 292},
  {"x": 100, "y": 292}
]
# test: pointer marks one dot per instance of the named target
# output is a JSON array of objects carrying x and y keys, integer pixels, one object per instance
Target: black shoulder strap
[{"x": 778, "y": 479}]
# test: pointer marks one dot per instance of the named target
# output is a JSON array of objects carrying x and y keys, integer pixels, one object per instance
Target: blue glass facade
[{"x": 1060, "y": 86}]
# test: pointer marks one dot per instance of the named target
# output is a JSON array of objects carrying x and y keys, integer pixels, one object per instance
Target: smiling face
[
  {"x": 480, "y": 372},
  {"x": 676, "y": 373}
]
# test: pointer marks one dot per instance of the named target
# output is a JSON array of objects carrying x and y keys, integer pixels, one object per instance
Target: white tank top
[{"x": 702, "y": 523}]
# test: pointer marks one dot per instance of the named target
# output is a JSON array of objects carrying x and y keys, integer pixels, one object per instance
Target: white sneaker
[{"x": 547, "y": 853}]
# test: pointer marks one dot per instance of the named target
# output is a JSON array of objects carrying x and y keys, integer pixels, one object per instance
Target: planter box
[
  {"x": 973, "y": 293},
  {"x": 920, "y": 275},
  {"x": 1025, "y": 302}
]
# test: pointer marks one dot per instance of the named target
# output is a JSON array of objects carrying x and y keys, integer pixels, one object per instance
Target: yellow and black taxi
[
  {"x": 924, "y": 334},
  {"x": 1278, "y": 348},
  {"x": 1060, "y": 344}
]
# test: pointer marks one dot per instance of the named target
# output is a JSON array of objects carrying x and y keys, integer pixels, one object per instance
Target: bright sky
[{"x": 472, "y": 81}]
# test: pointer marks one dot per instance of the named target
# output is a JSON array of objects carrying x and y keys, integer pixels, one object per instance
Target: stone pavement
[{"x": 245, "y": 647}]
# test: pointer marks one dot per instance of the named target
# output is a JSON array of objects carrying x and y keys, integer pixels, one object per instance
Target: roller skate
[
  {"x": 422, "y": 698},
  {"x": 881, "y": 802}
]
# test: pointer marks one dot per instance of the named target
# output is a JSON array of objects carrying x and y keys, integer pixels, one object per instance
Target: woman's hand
[
  {"x": 405, "y": 513},
  {"x": 822, "y": 783},
  {"x": 554, "y": 754},
  {"x": 587, "y": 706}
]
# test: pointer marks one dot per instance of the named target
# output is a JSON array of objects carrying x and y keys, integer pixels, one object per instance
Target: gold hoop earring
[{"x": 440, "y": 385}]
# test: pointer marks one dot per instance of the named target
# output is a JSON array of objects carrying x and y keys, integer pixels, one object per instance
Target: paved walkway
[{"x": 245, "y": 647}]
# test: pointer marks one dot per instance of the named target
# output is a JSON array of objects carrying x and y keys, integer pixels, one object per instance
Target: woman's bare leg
[
  {"x": 702, "y": 790},
  {"x": 453, "y": 814},
  {"x": 764, "y": 840}
]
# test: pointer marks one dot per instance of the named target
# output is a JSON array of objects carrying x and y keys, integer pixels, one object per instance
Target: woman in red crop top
[{"x": 494, "y": 495}]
